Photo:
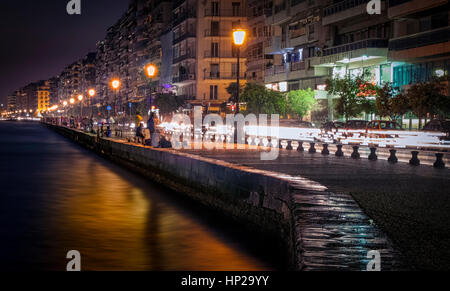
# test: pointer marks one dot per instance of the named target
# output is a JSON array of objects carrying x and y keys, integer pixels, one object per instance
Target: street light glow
[
  {"x": 115, "y": 84},
  {"x": 239, "y": 36},
  {"x": 72, "y": 100},
  {"x": 80, "y": 97},
  {"x": 91, "y": 92},
  {"x": 65, "y": 103},
  {"x": 151, "y": 70}
]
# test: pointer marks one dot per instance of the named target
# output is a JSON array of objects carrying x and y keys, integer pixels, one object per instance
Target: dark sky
[{"x": 39, "y": 38}]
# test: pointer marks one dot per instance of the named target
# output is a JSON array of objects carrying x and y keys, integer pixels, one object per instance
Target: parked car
[
  {"x": 379, "y": 128},
  {"x": 355, "y": 124},
  {"x": 332, "y": 125},
  {"x": 439, "y": 126},
  {"x": 296, "y": 123},
  {"x": 383, "y": 125}
]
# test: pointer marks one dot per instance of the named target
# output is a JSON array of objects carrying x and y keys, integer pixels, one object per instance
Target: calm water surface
[{"x": 56, "y": 197}]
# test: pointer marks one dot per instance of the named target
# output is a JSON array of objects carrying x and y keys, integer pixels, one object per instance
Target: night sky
[{"x": 39, "y": 38}]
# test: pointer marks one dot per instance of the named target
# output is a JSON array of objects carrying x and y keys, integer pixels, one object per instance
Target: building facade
[{"x": 204, "y": 56}]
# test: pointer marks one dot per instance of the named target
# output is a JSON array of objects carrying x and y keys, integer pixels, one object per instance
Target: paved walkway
[{"x": 410, "y": 204}]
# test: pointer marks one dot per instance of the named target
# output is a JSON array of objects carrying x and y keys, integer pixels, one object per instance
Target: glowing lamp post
[
  {"x": 80, "y": 98},
  {"x": 151, "y": 70},
  {"x": 238, "y": 39},
  {"x": 91, "y": 93},
  {"x": 115, "y": 85}
]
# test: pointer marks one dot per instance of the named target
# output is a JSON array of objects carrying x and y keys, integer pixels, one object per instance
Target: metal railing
[
  {"x": 367, "y": 43},
  {"x": 342, "y": 6},
  {"x": 420, "y": 39}
]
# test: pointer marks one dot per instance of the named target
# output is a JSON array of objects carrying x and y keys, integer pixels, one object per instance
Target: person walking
[{"x": 151, "y": 125}]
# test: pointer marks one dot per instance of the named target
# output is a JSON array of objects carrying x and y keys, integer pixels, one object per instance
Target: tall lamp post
[
  {"x": 80, "y": 98},
  {"x": 238, "y": 39},
  {"x": 91, "y": 93},
  {"x": 115, "y": 84},
  {"x": 151, "y": 70}
]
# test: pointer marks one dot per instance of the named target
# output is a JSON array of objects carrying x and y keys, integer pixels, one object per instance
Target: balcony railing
[
  {"x": 342, "y": 6},
  {"x": 188, "y": 55},
  {"x": 367, "y": 43},
  {"x": 210, "y": 54},
  {"x": 209, "y": 33},
  {"x": 393, "y": 3},
  {"x": 183, "y": 36},
  {"x": 222, "y": 75},
  {"x": 179, "y": 18},
  {"x": 184, "y": 77},
  {"x": 299, "y": 66},
  {"x": 420, "y": 39},
  {"x": 225, "y": 13}
]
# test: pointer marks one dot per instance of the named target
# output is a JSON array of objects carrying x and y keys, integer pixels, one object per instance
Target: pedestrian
[
  {"x": 151, "y": 125},
  {"x": 140, "y": 133},
  {"x": 138, "y": 119}
]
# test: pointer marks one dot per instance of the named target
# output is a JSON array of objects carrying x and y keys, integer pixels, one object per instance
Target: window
[
  {"x": 236, "y": 9},
  {"x": 215, "y": 72},
  {"x": 215, "y": 49},
  {"x": 215, "y": 8},
  {"x": 214, "y": 28},
  {"x": 213, "y": 92}
]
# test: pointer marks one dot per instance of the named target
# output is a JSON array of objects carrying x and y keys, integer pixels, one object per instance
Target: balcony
[
  {"x": 228, "y": 54},
  {"x": 401, "y": 8},
  {"x": 373, "y": 47},
  {"x": 225, "y": 13},
  {"x": 183, "y": 78},
  {"x": 188, "y": 55},
  {"x": 417, "y": 45},
  {"x": 344, "y": 10},
  {"x": 179, "y": 18},
  {"x": 367, "y": 43},
  {"x": 223, "y": 75},
  {"x": 272, "y": 45},
  {"x": 183, "y": 36},
  {"x": 214, "y": 33}
]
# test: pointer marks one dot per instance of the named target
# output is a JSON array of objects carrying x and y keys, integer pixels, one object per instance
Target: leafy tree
[
  {"x": 168, "y": 103},
  {"x": 352, "y": 93},
  {"x": 428, "y": 98},
  {"x": 300, "y": 102},
  {"x": 261, "y": 100},
  {"x": 383, "y": 102},
  {"x": 231, "y": 89}
]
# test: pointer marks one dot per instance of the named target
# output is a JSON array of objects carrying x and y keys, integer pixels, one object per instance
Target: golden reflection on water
[{"x": 121, "y": 225}]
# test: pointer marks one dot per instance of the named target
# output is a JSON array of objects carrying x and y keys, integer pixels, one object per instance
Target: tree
[
  {"x": 261, "y": 100},
  {"x": 352, "y": 93},
  {"x": 231, "y": 89},
  {"x": 300, "y": 102},
  {"x": 168, "y": 103},
  {"x": 427, "y": 98},
  {"x": 383, "y": 102}
]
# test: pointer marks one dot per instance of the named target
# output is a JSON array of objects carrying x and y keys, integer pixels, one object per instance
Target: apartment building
[
  {"x": 43, "y": 96},
  {"x": 12, "y": 101},
  {"x": 420, "y": 46},
  {"x": 297, "y": 36},
  {"x": 257, "y": 60},
  {"x": 204, "y": 56}
]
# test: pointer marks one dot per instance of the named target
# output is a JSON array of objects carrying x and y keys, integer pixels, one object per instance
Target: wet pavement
[{"x": 409, "y": 204}]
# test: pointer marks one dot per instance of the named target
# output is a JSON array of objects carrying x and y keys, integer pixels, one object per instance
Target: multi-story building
[
  {"x": 420, "y": 46},
  {"x": 69, "y": 82},
  {"x": 204, "y": 56},
  {"x": 297, "y": 36},
  {"x": 259, "y": 31},
  {"x": 12, "y": 101},
  {"x": 43, "y": 96}
]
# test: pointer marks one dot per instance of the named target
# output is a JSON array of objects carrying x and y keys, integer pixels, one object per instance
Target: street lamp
[
  {"x": 115, "y": 85},
  {"x": 80, "y": 98},
  {"x": 91, "y": 93},
  {"x": 238, "y": 39},
  {"x": 151, "y": 70}
]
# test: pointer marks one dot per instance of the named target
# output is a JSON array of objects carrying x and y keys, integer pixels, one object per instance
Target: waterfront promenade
[
  {"x": 410, "y": 204},
  {"x": 324, "y": 228}
]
